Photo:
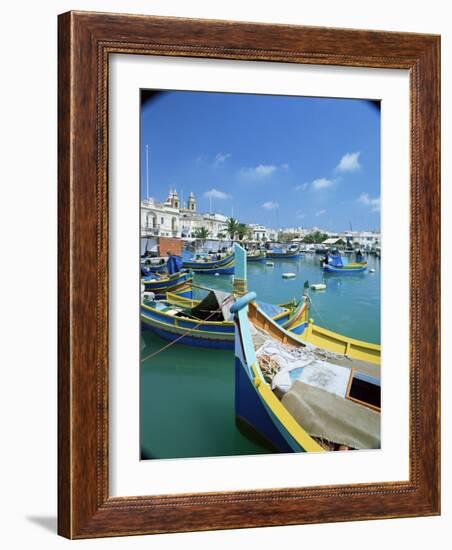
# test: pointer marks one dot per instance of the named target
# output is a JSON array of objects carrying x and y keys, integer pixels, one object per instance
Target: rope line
[{"x": 183, "y": 335}]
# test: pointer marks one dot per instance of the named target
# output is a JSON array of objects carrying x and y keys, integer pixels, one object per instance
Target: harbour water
[{"x": 187, "y": 393}]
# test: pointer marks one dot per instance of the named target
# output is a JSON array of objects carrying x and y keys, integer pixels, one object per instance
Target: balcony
[{"x": 150, "y": 230}]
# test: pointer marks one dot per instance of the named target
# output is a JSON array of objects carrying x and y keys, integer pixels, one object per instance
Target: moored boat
[
  {"x": 333, "y": 264},
  {"x": 206, "y": 322},
  {"x": 284, "y": 252},
  {"x": 294, "y": 398},
  {"x": 160, "y": 284},
  {"x": 256, "y": 255},
  {"x": 354, "y": 267},
  {"x": 211, "y": 264}
]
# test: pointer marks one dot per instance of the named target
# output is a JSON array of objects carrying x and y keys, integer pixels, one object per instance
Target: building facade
[{"x": 173, "y": 218}]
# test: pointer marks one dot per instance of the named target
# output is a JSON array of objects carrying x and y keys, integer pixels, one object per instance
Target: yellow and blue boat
[
  {"x": 326, "y": 405},
  {"x": 206, "y": 322},
  {"x": 223, "y": 264},
  {"x": 160, "y": 284},
  {"x": 335, "y": 265}
]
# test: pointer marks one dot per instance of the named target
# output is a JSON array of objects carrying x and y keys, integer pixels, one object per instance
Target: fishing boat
[
  {"x": 161, "y": 283},
  {"x": 211, "y": 264},
  {"x": 294, "y": 396},
  {"x": 154, "y": 265},
  {"x": 284, "y": 252},
  {"x": 353, "y": 267},
  {"x": 256, "y": 255},
  {"x": 206, "y": 322},
  {"x": 304, "y": 328},
  {"x": 333, "y": 264}
]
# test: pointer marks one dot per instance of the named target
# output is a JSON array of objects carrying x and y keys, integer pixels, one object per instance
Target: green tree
[
  {"x": 284, "y": 237},
  {"x": 243, "y": 231},
  {"x": 202, "y": 233},
  {"x": 315, "y": 238},
  {"x": 231, "y": 227}
]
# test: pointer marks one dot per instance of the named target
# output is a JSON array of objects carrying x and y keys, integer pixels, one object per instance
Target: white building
[
  {"x": 368, "y": 239},
  {"x": 174, "y": 219}
]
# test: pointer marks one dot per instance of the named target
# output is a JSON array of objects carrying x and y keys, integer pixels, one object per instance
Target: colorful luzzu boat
[
  {"x": 160, "y": 284},
  {"x": 206, "y": 322},
  {"x": 205, "y": 264},
  {"x": 304, "y": 403},
  {"x": 335, "y": 265}
]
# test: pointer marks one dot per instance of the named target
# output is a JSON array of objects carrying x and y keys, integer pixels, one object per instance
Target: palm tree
[
  {"x": 242, "y": 231},
  {"x": 231, "y": 227},
  {"x": 202, "y": 233}
]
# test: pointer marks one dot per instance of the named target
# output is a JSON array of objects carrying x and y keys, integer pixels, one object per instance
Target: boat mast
[{"x": 147, "y": 171}]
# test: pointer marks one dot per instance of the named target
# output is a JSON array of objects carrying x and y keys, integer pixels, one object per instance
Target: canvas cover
[
  {"x": 328, "y": 416},
  {"x": 174, "y": 264},
  {"x": 214, "y": 300},
  {"x": 335, "y": 261}
]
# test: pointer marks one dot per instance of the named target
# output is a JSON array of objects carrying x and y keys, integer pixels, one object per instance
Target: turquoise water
[{"x": 187, "y": 393}]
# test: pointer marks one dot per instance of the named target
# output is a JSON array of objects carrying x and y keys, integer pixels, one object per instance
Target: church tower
[
  {"x": 191, "y": 202},
  {"x": 175, "y": 202}
]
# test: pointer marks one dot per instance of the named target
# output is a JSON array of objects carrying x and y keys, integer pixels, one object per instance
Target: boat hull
[
  {"x": 282, "y": 256},
  {"x": 228, "y": 269},
  {"x": 223, "y": 266},
  {"x": 172, "y": 283},
  {"x": 358, "y": 268},
  {"x": 252, "y": 411},
  {"x": 259, "y": 258},
  {"x": 255, "y": 403},
  {"x": 190, "y": 332}
]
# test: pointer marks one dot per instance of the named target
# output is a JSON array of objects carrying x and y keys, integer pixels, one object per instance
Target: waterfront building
[
  {"x": 259, "y": 232},
  {"x": 173, "y": 218}
]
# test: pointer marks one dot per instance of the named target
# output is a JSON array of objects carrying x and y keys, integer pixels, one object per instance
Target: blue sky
[{"x": 277, "y": 160}]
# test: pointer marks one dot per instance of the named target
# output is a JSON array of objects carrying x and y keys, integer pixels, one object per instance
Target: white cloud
[
  {"x": 349, "y": 163},
  {"x": 302, "y": 186},
  {"x": 215, "y": 194},
  {"x": 270, "y": 205},
  {"x": 374, "y": 203},
  {"x": 300, "y": 215},
  {"x": 285, "y": 166},
  {"x": 220, "y": 158},
  {"x": 322, "y": 183},
  {"x": 259, "y": 172},
  {"x": 320, "y": 212}
]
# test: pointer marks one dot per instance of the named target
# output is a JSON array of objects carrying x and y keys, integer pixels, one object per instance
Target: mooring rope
[{"x": 181, "y": 336}]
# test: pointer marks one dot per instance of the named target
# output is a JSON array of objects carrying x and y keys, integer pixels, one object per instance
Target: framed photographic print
[{"x": 248, "y": 275}]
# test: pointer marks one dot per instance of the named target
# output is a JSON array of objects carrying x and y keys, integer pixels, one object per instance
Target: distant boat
[
  {"x": 335, "y": 265},
  {"x": 284, "y": 252},
  {"x": 211, "y": 264},
  {"x": 304, "y": 403},
  {"x": 256, "y": 255},
  {"x": 346, "y": 268}
]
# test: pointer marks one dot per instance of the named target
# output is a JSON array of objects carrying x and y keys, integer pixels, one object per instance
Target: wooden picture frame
[{"x": 85, "y": 42}]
